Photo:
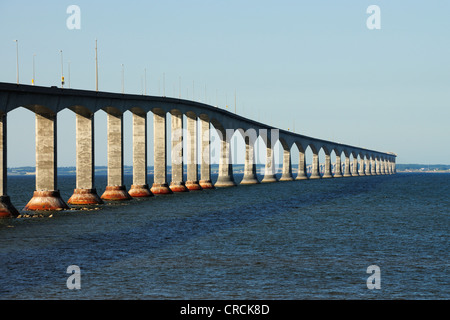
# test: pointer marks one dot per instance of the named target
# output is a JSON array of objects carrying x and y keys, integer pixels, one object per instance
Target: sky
[{"x": 314, "y": 67}]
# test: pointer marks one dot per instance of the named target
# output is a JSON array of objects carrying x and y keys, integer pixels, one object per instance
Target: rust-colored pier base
[
  {"x": 84, "y": 196},
  {"x": 158, "y": 188},
  {"x": 7, "y": 210},
  {"x": 193, "y": 186},
  {"x": 115, "y": 193},
  {"x": 178, "y": 187},
  {"x": 206, "y": 184},
  {"x": 46, "y": 201},
  {"x": 140, "y": 191}
]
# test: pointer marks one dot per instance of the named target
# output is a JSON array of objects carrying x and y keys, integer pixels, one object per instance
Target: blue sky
[{"x": 309, "y": 65}]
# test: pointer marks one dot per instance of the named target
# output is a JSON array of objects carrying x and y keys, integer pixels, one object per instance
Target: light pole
[
  {"x": 145, "y": 81},
  {"x": 17, "y": 60},
  {"x": 96, "y": 67},
  {"x": 34, "y": 73},
  {"x": 62, "y": 70},
  {"x": 235, "y": 101},
  {"x": 123, "y": 78},
  {"x": 68, "y": 65}
]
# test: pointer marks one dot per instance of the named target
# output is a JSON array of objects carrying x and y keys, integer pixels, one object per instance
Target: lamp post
[
  {"x": 96, "y": 67},
  {"x": 17, "y": 60},
  {"x": 33, "y": 80},
  {"x": 145, "y": 81},
  {"x": 62, "y": 70},
  {"x": 123, "y": 78},
  {"x": 68, "y": 65}
]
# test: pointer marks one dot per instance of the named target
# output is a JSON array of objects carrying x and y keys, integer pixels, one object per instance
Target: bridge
[{"x": 46, "y": 102}]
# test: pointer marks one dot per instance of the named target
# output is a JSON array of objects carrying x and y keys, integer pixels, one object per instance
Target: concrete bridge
[{"x": 46, "y": 102}]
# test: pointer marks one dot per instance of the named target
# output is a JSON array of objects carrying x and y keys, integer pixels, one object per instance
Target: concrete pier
[
  {"x": 372, "y": 167},
  {"x": 347, "y": 166},
  {"x": 286, "y": 173},
  {"x": 192, "y": 165},
  {"x": 205, "y": 163},
  {"x": 177, "y": 183},
  {"x": 225, "y": 178},
  {"x": 367, "y": 168},
  {"x": 6, "y": 207},
  {"x": 250, "y": 165},
  {"x": 361, "y": 167},
  {"x": 115, "y": 189},
  {"x": 140, "y": 188},
  {"x": 338, "y": 167},
  {"x": 269, "y": 171},
  {"x": 327, "y": 171},
  {"x": 355, "y": 166},
  {"x": 160, "y": 185},
  {"x": 301, "y": 174},
  {"x": 85, "y": 192},
  {"x": 378, "y": 166},
  {"x": 47, "y": 196},
  {"x": 315, "y": 174}
]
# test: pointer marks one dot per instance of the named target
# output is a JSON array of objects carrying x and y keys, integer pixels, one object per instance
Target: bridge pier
[
  {"x": 347, "y": 166},
  {"x": 140, "y": 188},
  {"x": 6, "y": 207},
  {"x": 250, "y": 166},
  {"x": 377, "y": 167},
  {"x": 301, "y": 174},
  {"x": 177, "y": 183},
  {"x": 361, "y": 171},
  {"x": 225, "y": 178},
  {"x": 205, "y": 167},
  {"x": 160, "y": 185},
  {"x": 115, "y": 190},
  {"x": 315, "y": 174},
  {"x": 367, "y": 168},
  {"x": 338, "y": 167},
  {"x": 269, "y": 171},
  {"x": 327, "y": 171},
  {"x": 85, "y": 192},
  {"x": 355, "y": 166},
  {"x": 46, "y": 197},
  {"x": 192, "y": 167},
  {"x": 287, "y": 166}
]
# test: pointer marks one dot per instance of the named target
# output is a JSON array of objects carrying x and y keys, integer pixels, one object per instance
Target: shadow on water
[{"x": 118, "y": 232}]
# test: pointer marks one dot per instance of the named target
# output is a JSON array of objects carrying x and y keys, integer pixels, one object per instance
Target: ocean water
[{"x": 289, "y": 240}]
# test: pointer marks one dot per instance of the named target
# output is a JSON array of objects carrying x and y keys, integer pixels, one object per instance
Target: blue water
[{"x": 287, "y": 240}]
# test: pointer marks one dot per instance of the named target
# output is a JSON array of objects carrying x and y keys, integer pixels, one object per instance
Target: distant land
[
  {"x": 423, "y": 168},
  {"x": 237, "y": 168}
]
